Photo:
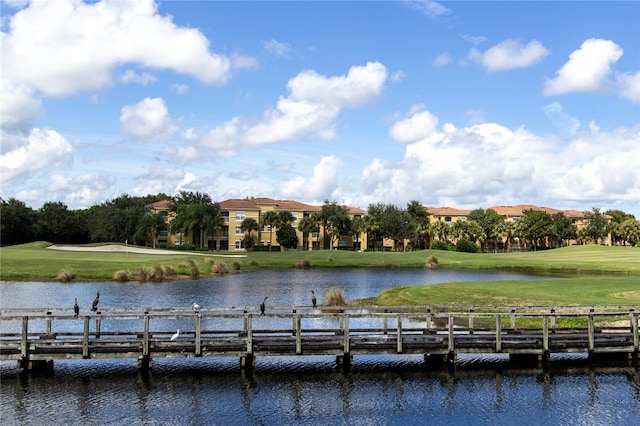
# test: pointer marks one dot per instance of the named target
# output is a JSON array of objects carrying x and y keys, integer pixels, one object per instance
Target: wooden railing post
[
  {"x": 85, "y": 338},
  {"x": 24, "y": 344},
  {"x": 198, "y": 348},
  {"x": 545, "y": 333},
  {"x": 591, "y": 333},
  {"x": 513, "y": 319},
  {"x": 450, "y": 327},
  {"x": 345, "y": 330},
  {"x": 428, "y": 322},
  {"x": 48, "y": 323},
  {"x": 399, "y": 336},
  {"x": 293, "y": 322},
  {"x": 145, "y": 336},
  {"x": 634, "y": 329},
  {"x": 98, "y": 324},
  {"x": 553, "y": 320},
  {"x": 471, "y": 318},
  {"x": 498, "y": 333},
  {"x": 385, "y": 323},
  {"x": 249, "y": 332},
  {"x": 298, "y": 332}
]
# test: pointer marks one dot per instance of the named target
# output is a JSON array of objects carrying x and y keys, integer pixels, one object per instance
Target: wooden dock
[{"x": 37, "y": 337}]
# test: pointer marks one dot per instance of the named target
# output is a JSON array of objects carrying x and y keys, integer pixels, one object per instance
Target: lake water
[{"x": 393, "y": 390}]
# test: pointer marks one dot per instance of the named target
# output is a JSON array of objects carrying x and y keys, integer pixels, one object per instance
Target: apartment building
[{"x": 235, "y": 211}]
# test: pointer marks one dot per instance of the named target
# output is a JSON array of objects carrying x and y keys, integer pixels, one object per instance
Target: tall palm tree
[
  {"x": 271, "y": 220},
  {"x": 151, "y": 223},
  {"x": 247, "y": 226},
  {"x": 307, "y": 225}
]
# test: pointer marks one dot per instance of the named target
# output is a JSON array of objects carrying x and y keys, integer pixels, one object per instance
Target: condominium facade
[{"x": 234, "y": 211}]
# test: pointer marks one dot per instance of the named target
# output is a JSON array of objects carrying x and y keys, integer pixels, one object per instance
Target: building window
[
  {"x": 238, "y": 245},
  {"x": 238, "y": 230},
  {"x": 461, "y": 218},
  {"x": 447, "y": 219},
  {"x": 240, "y": 216},
  {"x": 295, "y": 216}
]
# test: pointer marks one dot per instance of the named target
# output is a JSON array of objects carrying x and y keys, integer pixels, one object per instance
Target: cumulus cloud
[
  {"x": 442, "y": 59},
  {"x": 313, "y": 104},
  {"x": 429, "y": 8},
  {"x": 83, "y": 190},
  {"x": 418, "y": 125},
  {"x": 567, "y": 124},
  {"x": 322, "y": 185},
  {"x": 78, "y": 45},
  {"x": 509, "y": 54},
  {"x": 42, "y": 149},
  {"x": 276, "y": 47},
  {"x": 18, "y": 109},
  {"x": 587, "y": 68},
  {"x": 131, "y": 76},
  {"x": 629, "y": 86},
  {"x": 147, "y": 118},
  {"x": 488, "y": 164}
]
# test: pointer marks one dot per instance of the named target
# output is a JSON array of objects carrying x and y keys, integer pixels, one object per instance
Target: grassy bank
[{"x": 596, "y": 275}]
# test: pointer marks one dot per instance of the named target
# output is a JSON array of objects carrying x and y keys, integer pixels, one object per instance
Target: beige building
[{"x": 234, "y": 211}]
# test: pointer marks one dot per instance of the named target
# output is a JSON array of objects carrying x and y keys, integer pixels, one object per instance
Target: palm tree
[
  {"x": 151, "y": 222},
  {"x": 308, "y": 224},
  {"x": 247, "y": 226},
  {"x": 271, "y": 220}
]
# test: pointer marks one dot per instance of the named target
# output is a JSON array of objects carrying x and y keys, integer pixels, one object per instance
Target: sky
[{"x": 461, "y": 104}]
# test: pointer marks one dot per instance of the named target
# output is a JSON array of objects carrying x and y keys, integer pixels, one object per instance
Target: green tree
[
  {"x": 420, "y": 222},
  {"x": 286, "y": 236},
  {"x": 440, "y": 229},
  {"x": 597, "y": 226},
  {"x": 563, "y": 229},
  {"x": 629, "y": 231},
  {"x": 396, "y": 224},
  {"x": 490, "y": 222},
  {"x": 117, "y": 220},
  {"x": 371, "y": 225},
  {"x": 270, "y": 219},
  {"x": 617, "y": 218},
  {"x": 17, "y": 222},
  {"x": 335, "y": 220},
  {"x": 535, "y": 226},
  {"x": 151, "y": 223},
  {"x": 56, "y": 223},
  {"x": 248, "y": 226},
  {"x": 307, "y": 225}
]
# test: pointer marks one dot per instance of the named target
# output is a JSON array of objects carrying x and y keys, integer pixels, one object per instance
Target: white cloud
[
  {"x": 78, "y": 191},
  {"x": 567, "y": 124},
  {"x": 180, "y": 89},
  {"x": 510, "y": 54},
  {"x": 78, "y": 45},
  {"x": 312, "y": 107},
  {"x": 442, "y": 59},
  {"x": 418, "y": 125},
  {"x": 147, "y": 118},
  {"x": 629, "y": 85},
  {"x": 587, "y": 68},
  {"x": 42, "y": 149},
  {"x": 322, "y": 185},
  {"x": 276, "y": 47},
  {"x": 131, "y": 76},
  {"x": 429, "y": 8},
  {"x": 19, "y": 107}
]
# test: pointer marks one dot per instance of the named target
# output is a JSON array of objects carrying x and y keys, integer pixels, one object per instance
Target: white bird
[
  {"x": 175, "y": 336},
  {"x": 196, "y": 307}
]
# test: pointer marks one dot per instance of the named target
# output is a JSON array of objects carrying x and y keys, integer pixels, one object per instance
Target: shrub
[
  {"x": 168, "y": 271},
  {"x": 253, "y": 263},
  {"x": 466, "y": 246},
  {"x": 335, "y": 297},
  {"x": 220, "y": 268},
  {"x": 235, "y": 266},
  {"x": 66, "y": 275},
  {"x": 440, "y": 245},
  {"x": 122, "y": 276},
  {"x": 306, "y": 263},
  {"x": 195, "y": 271},
  {"x": 432, "y": 262},
  {"x": 154, "y": 273}
]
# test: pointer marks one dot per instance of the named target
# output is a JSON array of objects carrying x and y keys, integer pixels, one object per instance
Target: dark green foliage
[
  {"x": 441, "y": 245},
  {"x": 287, "y": 236},
  {"x": 466, "y": 246}
]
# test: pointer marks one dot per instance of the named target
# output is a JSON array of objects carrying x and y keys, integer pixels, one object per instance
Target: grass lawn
[{"x": 596, "y": 275}]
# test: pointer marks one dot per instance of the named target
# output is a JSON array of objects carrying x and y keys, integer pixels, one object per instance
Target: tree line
[{"x": 197, "y": 218}]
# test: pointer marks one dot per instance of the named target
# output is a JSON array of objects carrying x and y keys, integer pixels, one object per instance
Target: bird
[
  {"x": 196, "y": 307},
  {"x": 313, "y": 298},
  {"x": 94, "y": 307},
  {"x": 262, "y": 305},
  {"x": 175, "y": 336},
  {"x": 76, "y": 308}
]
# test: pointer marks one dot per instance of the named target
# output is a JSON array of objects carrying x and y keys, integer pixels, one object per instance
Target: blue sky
[{"x": 462, "y": 104}]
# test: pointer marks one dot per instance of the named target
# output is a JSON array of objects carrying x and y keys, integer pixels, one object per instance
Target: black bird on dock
[
  {"x": 262, "y": 305},
  {"x": 313, "y": 298},
  {"x": 76, "y": 308},
  {"x": 94, "y": 307}
]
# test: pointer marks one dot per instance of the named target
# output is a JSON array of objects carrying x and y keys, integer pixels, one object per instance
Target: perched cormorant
[
  {"x": 76, "y": 308},
  {"x": 262, "y": 305},
  {"x": 94, "y": 307},
  {"x": 196, "y": 307},
  {"x": 313, "y": 298},
  {"x": 175, "y": 336}
]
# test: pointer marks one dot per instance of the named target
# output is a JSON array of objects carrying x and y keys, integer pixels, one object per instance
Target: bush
[
  {"x": 432, "y": 262},
  {"x": 220, "y": 268},
  {"x": 66, "y": 275},
  {"x": 235, "y": 266},
  {"x": 195, "y": 271},
  {"x": 335, "y": 297},
  {"x": 466, "y": 246},
  {"x": 122, "y": 276},
  {"x": 441, "y": 245},
  {"x": 306, "y": 263}
]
